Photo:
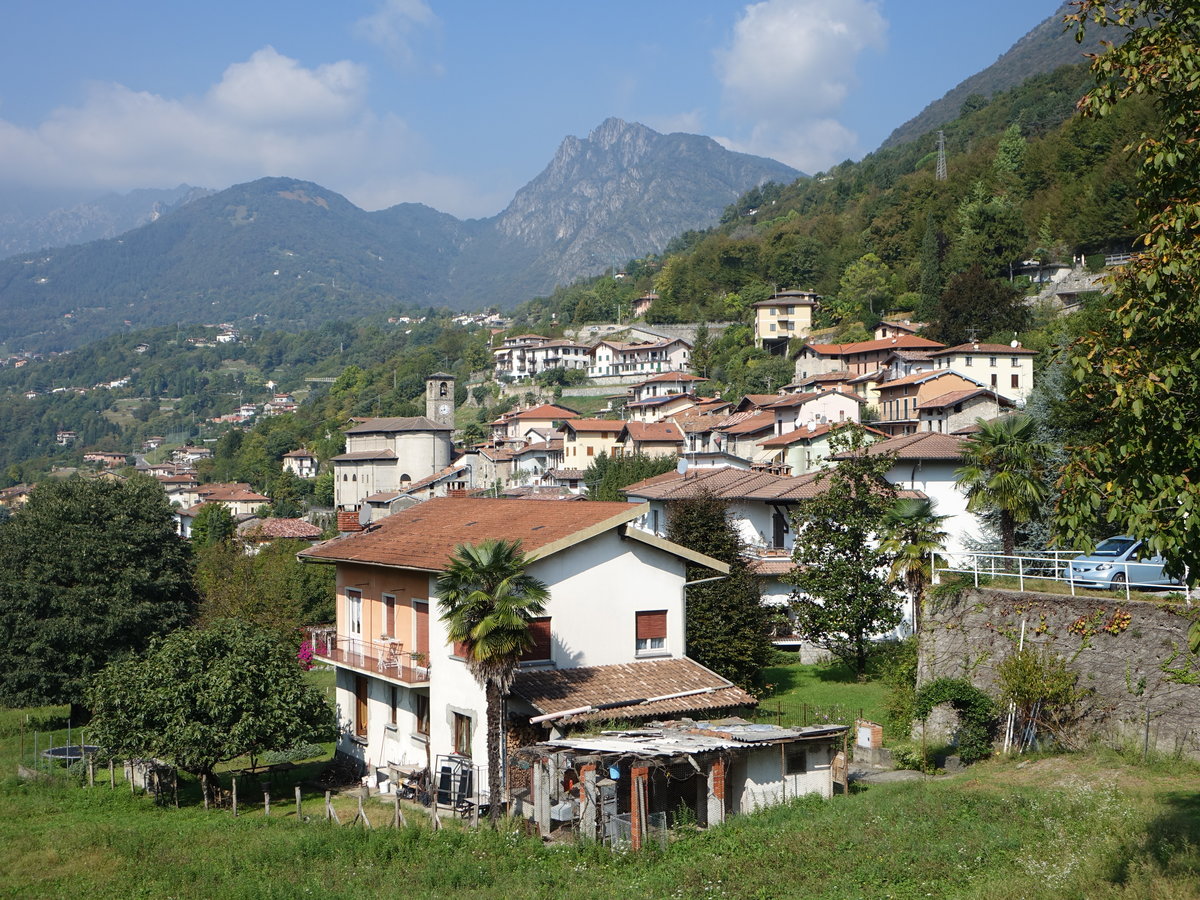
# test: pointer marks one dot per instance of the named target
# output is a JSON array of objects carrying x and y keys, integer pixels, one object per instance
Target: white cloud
[
  {"x": 393, "y": 25},
  {"x": 687, "y": 122},
  {"x": 788, "y": 69},
  {"x": 268, "y": 115}
]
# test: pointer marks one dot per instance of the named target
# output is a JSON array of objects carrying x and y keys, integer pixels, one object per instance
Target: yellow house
[
  {"x": 786, "y": 315},
  {"x": 585, "y": 439}
]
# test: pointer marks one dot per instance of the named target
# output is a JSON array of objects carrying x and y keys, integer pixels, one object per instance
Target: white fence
[{"x": 1049, "y": 566}]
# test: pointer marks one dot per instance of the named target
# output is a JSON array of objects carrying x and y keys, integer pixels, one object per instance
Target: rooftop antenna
[{"x": 941, "y": 157}]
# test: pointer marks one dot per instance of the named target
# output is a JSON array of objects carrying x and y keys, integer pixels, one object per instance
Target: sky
[{"x": 458, "y": 104}]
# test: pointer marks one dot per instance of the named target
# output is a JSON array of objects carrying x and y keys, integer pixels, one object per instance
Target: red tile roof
[
  {"x": 751, "y": 423},
  {"x": 424, "y": 537},
  {"x": 397, "y": 423},
  {"x": 952, "y": 397},
  {"x": 728, "y": 483},
  {"x": 796, "y": 437},
  {"x": 989, "y": 349},
  {"x": 922, "y": 377},
  {"x": 360, "y": 455},
  {"x": 906, "y": 342},
  {"x": 925, "y": 445},
  {"x": 272, "y": 529},
  {"x": 545, "y": 411},
  {"x": 557, "y": 690},
  {"x": 652, "y": 432}
]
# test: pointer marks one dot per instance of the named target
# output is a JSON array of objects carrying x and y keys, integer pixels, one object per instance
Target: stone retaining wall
[{"x": 1122, "y": 662}]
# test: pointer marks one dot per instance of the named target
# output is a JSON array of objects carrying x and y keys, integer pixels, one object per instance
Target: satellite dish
[
  {"x": 682, "y": 466},
  {"x": 364, "y": 515}
]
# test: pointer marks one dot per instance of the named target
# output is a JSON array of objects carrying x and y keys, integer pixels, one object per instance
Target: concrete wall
[{"x": 970, "y": 635}]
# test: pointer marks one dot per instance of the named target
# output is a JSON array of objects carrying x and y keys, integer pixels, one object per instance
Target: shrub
[{"x": 976, "y": 713}]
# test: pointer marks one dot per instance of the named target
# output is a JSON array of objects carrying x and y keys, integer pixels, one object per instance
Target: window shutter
[
  {"x": 421, "y": 637},
  {"x": 652, "y": 624},
  {"x": 460, "y": 649},
  {"x": 539, "y": 630}
]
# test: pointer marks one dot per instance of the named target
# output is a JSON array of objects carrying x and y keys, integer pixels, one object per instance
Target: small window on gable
[{"x": 651, "y": 630}]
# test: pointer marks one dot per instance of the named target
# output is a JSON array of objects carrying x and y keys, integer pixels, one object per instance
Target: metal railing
[
  {"x": 1050, "y": 565},
  {"x": 386, "y": 657}
]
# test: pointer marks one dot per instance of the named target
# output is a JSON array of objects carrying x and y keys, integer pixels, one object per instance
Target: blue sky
[{"x": 458, "y": 104}]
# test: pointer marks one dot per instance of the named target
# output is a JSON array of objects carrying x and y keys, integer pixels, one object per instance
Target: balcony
[{"x": 383, "y": 657}]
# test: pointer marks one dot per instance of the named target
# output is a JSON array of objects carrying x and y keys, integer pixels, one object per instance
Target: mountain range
[{"x": 294, "y": 253}]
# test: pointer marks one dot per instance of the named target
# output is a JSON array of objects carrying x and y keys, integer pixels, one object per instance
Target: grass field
[
  {"x": 1094, "y": 825},
  {"x": 1080, "y": 826},
  {"x": 823, "y": 692}
]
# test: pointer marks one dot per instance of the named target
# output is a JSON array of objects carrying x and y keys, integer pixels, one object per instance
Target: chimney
[
  {"x": 347, "y": 520},
  {"x": 457, "y": 494}
]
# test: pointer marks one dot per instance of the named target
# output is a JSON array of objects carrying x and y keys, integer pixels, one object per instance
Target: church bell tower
[{"x": 439, "y": 398}]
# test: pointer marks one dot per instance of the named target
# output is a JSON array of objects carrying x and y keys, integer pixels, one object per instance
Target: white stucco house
[{"x": 405, "y": 696}]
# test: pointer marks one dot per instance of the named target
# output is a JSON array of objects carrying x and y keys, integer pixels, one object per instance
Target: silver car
[{"x": 1117, "y": 561}]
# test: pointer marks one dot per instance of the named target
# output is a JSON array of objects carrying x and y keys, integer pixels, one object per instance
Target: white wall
[
  {"x": 936, "y": 479},
  {"x": 596, "y": 588},
  {"x": 757, "y": 779}
]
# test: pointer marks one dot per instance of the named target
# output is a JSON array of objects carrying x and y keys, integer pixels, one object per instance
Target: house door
[{"x": 360, "y": 705}]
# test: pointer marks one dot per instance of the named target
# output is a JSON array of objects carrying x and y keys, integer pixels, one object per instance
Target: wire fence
[{"x": 788, "y": 712}]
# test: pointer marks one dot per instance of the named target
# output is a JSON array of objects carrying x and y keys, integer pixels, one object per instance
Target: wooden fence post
[
  {"x": 112, "y": 775},
  {"x": 233, "y": 795},
  {"x": 91, "y": 767},
  {"x": 330, "y": 812},
  {"x": 203, "y": 787},
  {"x": 398, "y": 820},
  {"x": 266, "y": 802},
  {"x": 362, "y": 813},
  {"x": 298, "y": 809}
]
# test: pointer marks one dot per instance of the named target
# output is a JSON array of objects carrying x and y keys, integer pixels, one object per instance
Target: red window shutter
[
  {"x": 460, "y": 649},
  {"x": 652, "y": 624},
  {"x": 539, "y": 630},
  {"x": 421, "y": 637}
]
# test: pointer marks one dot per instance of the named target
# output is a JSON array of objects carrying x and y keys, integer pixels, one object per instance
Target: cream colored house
[
  {"x": 585, "y": 439},
  {"x": 785, "y": 315},
  {"x": 1006, "y": 369}
]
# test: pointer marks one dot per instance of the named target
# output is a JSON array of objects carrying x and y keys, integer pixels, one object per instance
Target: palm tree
[
  {"x": 911, "y": 532},
  {"x": 487, "y": 600},
  {"x": 1003, "y": 471}
]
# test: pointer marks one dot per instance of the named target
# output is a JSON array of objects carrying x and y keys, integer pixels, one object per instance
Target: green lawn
[
  {"x": 812, "y": 694},
  {"x": 1091, "y": 825}
]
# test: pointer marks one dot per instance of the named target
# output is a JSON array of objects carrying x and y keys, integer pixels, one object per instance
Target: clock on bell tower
[{"x": 439, "y": 398}]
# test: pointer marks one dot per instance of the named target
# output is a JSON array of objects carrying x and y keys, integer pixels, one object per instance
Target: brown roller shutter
[
  {"x": 651, "y": 624},
  {"x": 539, "y": 630}
]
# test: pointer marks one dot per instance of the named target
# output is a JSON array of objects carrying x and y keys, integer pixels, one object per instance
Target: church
[{"x": 386, "y": 456}]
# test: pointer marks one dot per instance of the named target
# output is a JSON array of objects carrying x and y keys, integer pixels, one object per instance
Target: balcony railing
[{"x": 387, "y": 657}]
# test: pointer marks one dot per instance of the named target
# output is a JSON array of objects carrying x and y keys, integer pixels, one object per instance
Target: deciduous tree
[
  {"x": 203, "y": 696},
  {"x": 89, "y": 570},
  {"x": 842, "y": 573},
  {"x": 1140, "y": 474}
]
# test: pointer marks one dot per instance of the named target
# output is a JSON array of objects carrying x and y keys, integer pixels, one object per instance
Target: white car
[{"x": 1117, "y": 561}]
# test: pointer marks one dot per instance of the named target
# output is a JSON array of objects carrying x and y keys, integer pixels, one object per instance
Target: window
[
  {"x": 967, "y": 361},
  {"x": 651, "y": 631},
  {"x": 1016, "y": 362},
  {"x": 462, "y": 734},
  {"x": 360, "y": 706},
  {"x": 994, "y": 376},
  {"x": 421, "y": 712},
  {"x": 459, "y": 649},
  {"x": 354, "y": 610},
  {"x": 389, "y": 616},
  {"x": 991, "y": 360},
  {"x": 539, "y": 630},
  {"x": 394, "y": 697},
  {"x": 591, "y": 451},
  {"x": 796, "y": 760},
  {"x": 1016, "y": 380}
]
